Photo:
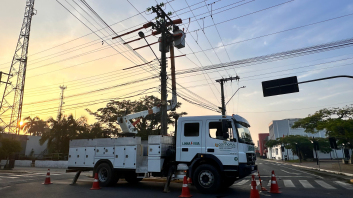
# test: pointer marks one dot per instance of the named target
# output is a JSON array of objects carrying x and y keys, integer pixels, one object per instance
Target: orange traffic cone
[
  {"x": 274, "y": 184},
  {"x": 189, "y": 180},
  {"x": 185, "y": 189},
  {"x": 254, "y": 193},
  {"x": 262, "y": 188},
  {"x": 47, "y": 179},
  {"x": 95, "y": 185}
]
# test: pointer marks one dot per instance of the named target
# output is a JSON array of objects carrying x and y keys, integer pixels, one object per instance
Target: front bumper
[{"x": 245, "y": 170}]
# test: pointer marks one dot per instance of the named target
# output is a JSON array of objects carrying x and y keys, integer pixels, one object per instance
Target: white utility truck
[{"x": 213, "y": 151}]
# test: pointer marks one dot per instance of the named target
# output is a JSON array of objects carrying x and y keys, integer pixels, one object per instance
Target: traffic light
[{"x": 280, "y": 86}]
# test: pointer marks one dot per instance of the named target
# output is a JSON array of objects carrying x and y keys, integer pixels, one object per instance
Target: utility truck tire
[
  {"x": 105, "y": 175},
  {"x": 207, "y": 179},
  {"x": 132, "y": 178}
]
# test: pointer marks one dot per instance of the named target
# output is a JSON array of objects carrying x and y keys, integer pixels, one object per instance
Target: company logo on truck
[
  {"x": 190, "y": 143},
  {"x": 225, "y": 145}
]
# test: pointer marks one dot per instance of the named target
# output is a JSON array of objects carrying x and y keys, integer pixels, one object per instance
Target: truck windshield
[{"x": 244, "y": 133}]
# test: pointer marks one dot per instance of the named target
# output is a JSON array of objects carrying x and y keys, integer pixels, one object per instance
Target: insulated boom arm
[{"x": 128, "y": 127}]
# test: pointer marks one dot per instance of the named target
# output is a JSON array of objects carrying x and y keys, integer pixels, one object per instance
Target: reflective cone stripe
[
  {"x": 185, "y": 189},
  {"x": 254, "y": 193},
  {"x": 274, "y": 185},
  {"x": 47, "y": 178},
  {"x": 95, "y": 185},
  {"x": 262, "y": 188}
]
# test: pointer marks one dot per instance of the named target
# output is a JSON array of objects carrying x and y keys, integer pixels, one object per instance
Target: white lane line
[
  {"x": 260, "y": 163},
  {"x": 241, "y": 182},
  {"x": 344, "y": 185},
  {"x": 324, "y": 184},
  {"x": 288, "y": 183},
  {"x": 269, "y": 183},
  {"x": 12, "y": 177},
  {"x": 257, "y": 183},
  {"x": 306, "y": 184},
  {"x": 306, "y": 173},
  {"x": 289, "y": 172}
]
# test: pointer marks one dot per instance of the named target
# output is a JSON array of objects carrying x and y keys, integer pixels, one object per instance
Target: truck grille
[{"x": 251, "y": 158}]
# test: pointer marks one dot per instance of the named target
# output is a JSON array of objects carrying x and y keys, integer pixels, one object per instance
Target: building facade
[
  {"x": 263, "y": 137},
  {"x": 281, "y": 128}
]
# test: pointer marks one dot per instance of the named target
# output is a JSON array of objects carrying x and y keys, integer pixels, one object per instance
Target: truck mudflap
[{"x": 245, "y": 170}]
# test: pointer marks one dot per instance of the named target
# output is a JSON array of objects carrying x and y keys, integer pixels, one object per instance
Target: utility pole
[
  {"x": 12, "y": 99},
  {"x": 161, "y": 27},
  {"x": 62, "y": 100},
  {"x": 222, "y": 81}
]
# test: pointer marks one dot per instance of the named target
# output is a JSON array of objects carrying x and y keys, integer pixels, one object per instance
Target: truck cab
[{"x": 217, "y": 149}]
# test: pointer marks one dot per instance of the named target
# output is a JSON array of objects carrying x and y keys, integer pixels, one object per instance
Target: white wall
[
  {"x": 38, "y": 163},
  {"x": 33, "y": 143}
]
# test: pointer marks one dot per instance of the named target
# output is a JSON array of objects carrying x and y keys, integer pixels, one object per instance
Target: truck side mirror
[{"x": 225, "y": 129}]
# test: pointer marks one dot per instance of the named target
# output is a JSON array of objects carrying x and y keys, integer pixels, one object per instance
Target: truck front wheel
[{"x": 207, "y": 179}]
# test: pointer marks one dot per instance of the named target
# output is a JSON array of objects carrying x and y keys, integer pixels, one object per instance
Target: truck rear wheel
[
  {"x": 105, "y": 175},
  {"x": 207, "y": 179}
]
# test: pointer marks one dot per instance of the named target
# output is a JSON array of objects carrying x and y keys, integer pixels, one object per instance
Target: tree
[
  {"x": 338, "y": 123},
  {"x": 61, "y": 132},
  {"x": 35, "y": 126},
  {"x": 150, "y": 125},
  {"x": 9, "y": 147},
  {"x": 293, "y": 143}
]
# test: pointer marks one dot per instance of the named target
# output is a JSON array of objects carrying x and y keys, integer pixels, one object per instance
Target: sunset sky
[{"x": 64, "y": 51}]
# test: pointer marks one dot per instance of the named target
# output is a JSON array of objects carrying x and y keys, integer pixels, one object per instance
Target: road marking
[
  {"x": 306, "y": 173},
  {"x": 290, "y": 172},
  {"x": 344, "y": 185},
  {"x": 269, "y": 183},
  {"x": 306, "y": 184},
  {"x": 324, "y": 184},
  {"x": 12, "y": 177},
  {"x": 241, "y": 183},
  {"x": 288, "y": 183}
]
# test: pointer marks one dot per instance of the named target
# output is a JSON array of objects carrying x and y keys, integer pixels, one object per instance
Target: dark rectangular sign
[{"x": 280, "y": 86}]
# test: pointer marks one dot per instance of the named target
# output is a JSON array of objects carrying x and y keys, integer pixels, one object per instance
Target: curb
[
  {"x": 324, "y": 170},
  {"x": 319, "y": 169}
]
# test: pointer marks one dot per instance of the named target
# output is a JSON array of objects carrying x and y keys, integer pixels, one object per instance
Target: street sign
[{"x": 280, "y": 86}]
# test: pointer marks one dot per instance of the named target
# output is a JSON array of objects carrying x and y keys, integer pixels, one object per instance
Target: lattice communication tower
[{"x": 12, "y": 100}]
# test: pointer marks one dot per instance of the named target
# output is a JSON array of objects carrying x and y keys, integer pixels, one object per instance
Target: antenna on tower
[
  {"x": 62, "y": 101},
  {"x": 12, "y": 100}
]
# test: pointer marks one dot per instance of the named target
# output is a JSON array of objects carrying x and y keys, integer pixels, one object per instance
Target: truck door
[
  {"x": 190, "y": 140},
  {"x": 225, "y": 149}
]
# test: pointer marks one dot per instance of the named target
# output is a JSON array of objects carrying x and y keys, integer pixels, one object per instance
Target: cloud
[
  {"x": 287, "y": 101},
  {"x": 250, "y": 94},
  {"x": 332, "y": 95}
]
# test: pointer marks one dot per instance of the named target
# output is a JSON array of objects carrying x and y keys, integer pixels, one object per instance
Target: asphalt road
[{"x": 293, "y": 182}]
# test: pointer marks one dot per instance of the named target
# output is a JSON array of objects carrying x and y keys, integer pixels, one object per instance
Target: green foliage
[
  {"x": 324, "y": 145},
  {"x": 150, "y": 125},
  {"x": 67, "y": 128},
  {"x": 338, "y": 123},
  {"x": 35, "y": 126},
  {"x": 9, "y": 147},
  {"x": 272, "y": 143}
]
